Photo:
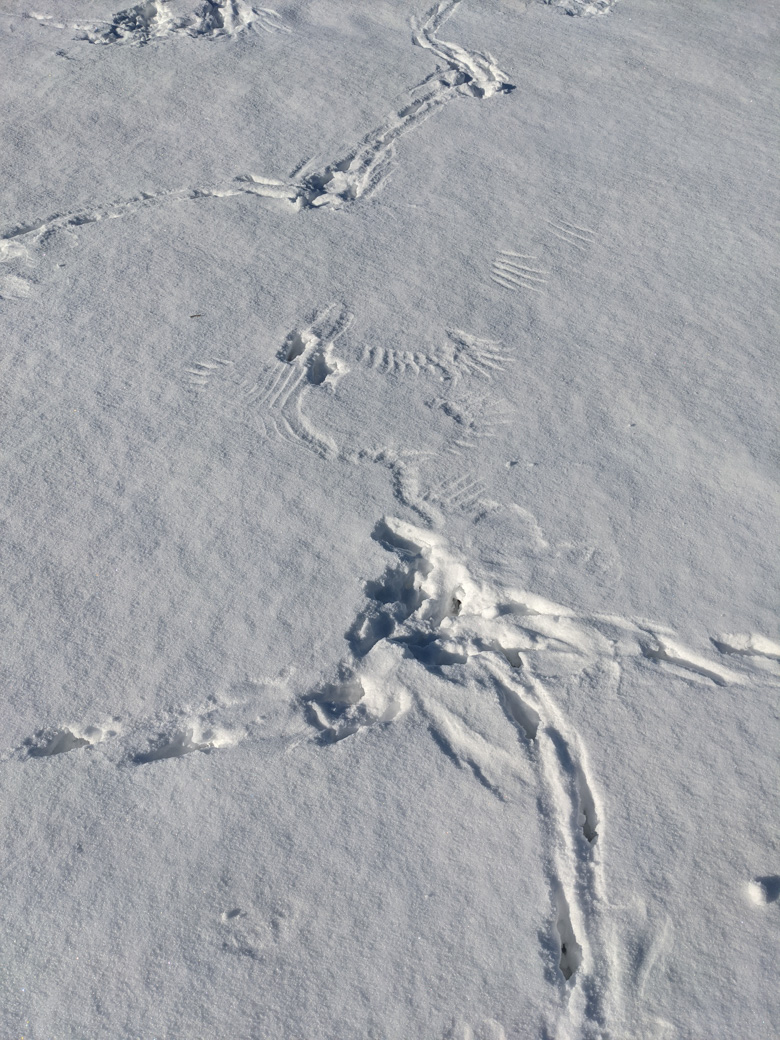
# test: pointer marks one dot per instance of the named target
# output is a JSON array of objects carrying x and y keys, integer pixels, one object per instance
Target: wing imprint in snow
[
  {"x": 467, "y": 355},
  {"x": 275, "y": 396},
  {"x": 516, "y": 271},
  {"x": 572, "y": 235},
  {"x": 476, "y": 419}
]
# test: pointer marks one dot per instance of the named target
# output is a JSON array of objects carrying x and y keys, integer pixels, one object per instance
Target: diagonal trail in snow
[
  {"x": 362, "y": 168},
  {"x": 354, "y": 174}
]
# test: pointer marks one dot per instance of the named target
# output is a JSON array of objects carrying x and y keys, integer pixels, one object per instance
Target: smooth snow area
[{"x": 389, "y": 643}]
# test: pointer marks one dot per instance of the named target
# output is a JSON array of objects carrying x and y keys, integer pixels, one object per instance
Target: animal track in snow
[
  {"x": 47, "y": 743},
  {"x": 310, "y": 355},
  {"x": 665, "y": 652},
  {"x": 763, "y": 890},
  {"x": 571, "y": 951},
  {"x": 247, "y": 932},
  {"x": 357, "y": 172},
  {"x": 161, "y": 19},
  {"x": 467, "y": 355},
  {"x": 514, "y": 271},
  {"x": 478, "y": 72},
  {"x": 461, "y": 354},
  {"x": 363, "y": 168},
  {"x": 461, "y": 493},
  {"x": 14, "y": 287},
  {"x": 275, "y": 397},
  {"x": 427, "y": 609},
  {"x": 579, "y": 238},
  {"x": 429, "y": 498},
  {"x": 476, "y": 419},
  {"x": 219, "y": 724},
  {"x": 18, "y": 242},
  {"x": 748, "y": 645},
  {"x": 194, "y": 737},
  {"x": 312, "y": 347},
  {"x": 435, "y": 642},
  {"x": 581, "y": 8},
  {"x": 200, "y": 373},
  {"x": 487, "y": 1029}
]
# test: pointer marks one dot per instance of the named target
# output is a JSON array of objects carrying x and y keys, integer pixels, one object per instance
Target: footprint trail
[{"x": 354, "y": 174}]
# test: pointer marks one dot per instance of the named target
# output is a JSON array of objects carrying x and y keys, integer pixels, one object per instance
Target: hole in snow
[
  {"x": 571, "y": 951},
  {"x": 294, "y": 346},
  {"x": 58, "y": 744},
  {"x": 765, "y": 889}
]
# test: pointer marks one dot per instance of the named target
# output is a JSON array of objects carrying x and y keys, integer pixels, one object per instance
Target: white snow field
[{"x": 389, "y": 642}]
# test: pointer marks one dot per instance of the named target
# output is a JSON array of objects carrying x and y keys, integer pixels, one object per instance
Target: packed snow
[{"x": 389, "y": 488}]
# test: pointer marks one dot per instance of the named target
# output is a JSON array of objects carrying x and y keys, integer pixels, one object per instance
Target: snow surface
[{"x": 389, "y": 501}]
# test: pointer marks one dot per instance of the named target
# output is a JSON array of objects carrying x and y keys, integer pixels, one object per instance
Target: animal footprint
[
  {"x": 749, "y": 645},
  {"x": 12, "y": 287},
  {"x": 194, "y": 737},
  {"x": 665, "y": 652},
  {"x": 763, "y": 890},
  {"x": 163, "y": 19},
  {"x": 487, "y": 1029},
  {"x": 47, "y": 743},
  {"x": 313, "y": 348},
  {"x": 274, "y": 397},
  {"x": 247, "y": 932},
  {"x": 581, "y": 8}
]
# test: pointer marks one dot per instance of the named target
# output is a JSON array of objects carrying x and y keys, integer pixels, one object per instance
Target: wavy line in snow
[{"x": 478, "y": 73}]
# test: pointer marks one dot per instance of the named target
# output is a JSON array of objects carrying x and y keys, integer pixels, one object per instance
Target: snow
[{"x": 389, "y": 497}]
